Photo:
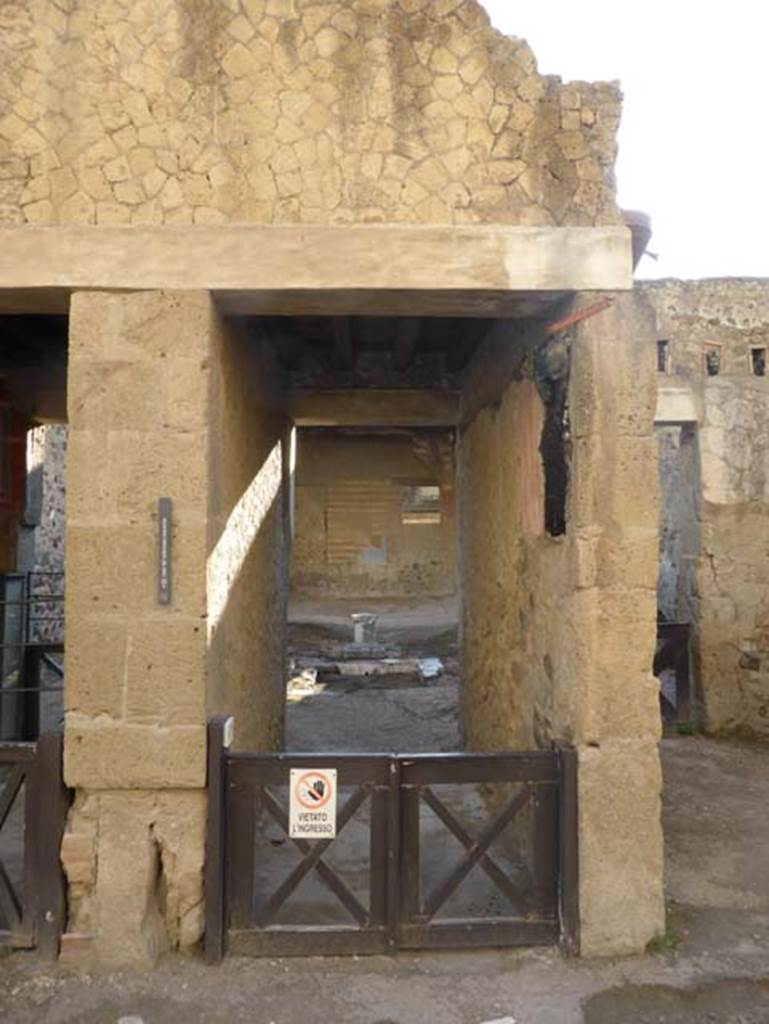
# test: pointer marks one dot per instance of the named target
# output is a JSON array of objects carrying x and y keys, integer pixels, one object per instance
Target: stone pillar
[
  {"x": 139, "y": 394},
  {"x": 613, "y": 510}
]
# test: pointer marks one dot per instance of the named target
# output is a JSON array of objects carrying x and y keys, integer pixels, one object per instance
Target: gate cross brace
[
  {"x": 12, "y": 787},
  {"x": 8, "y": 898},
  {"x": 475, "y": 852},
  {"x": 489, "y": 865},
  {"x": 312, "y": 859}
]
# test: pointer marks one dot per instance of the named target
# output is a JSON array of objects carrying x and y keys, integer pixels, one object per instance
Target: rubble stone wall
[
  {"x": 306, "y": 111},
  {"x": 732, "y": 630},
  {"x": 41, "y": 541}
]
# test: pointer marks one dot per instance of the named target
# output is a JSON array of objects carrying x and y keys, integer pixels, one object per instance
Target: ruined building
[
  {"x": 222, "y": 222},
  {"x": 712, "y": 338}
]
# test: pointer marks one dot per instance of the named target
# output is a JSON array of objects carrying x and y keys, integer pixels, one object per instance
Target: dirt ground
[
  {"x": 393, "y": 714},
  {"x": 711, "y": 968}
]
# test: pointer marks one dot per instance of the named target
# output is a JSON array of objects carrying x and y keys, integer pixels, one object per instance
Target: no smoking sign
[{"x": 312, "y": 804}]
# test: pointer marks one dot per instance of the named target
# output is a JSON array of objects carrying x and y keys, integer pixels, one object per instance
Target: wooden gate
[
  {"x": 33, "y": 810},
  {"x": 431, "y": 851}
]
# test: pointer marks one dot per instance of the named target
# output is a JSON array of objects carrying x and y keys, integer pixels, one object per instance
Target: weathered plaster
[
  {"x": 558, "y": 632},
  {"x": 350, "y": 537},
  {"x": 247, "y": 564},
  {"x": 381, "y": 269}
]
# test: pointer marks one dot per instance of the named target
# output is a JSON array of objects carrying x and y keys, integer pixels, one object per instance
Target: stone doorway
[
  {"x": 218, "y": 440},
  {"x": 373, "y": 608}
]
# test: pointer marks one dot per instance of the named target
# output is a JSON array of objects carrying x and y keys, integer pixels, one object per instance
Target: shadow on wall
[{"x": 247, "y": 565}]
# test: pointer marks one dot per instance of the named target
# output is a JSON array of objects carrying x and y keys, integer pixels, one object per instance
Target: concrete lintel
[
  {"x": 273, "y": 269},
  {"x": 369, "y": 407}
]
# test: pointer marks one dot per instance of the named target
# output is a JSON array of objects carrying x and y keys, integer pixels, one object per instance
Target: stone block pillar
[
  {"x": 139, "y": 395},
  {"x": 615, "y": 718}
]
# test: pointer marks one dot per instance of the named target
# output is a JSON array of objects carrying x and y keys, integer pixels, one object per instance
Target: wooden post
[
  {"x": 568, "y": 849},
  {"x": 393, "y": 853},
  {"x": 410, "y": 894},
  {"x": 51, "y": 802},
  {"x": 220, "y": 729},
  {"x": 544, "y": 825}
]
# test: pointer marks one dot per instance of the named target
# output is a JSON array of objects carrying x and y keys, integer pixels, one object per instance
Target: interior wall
[
  {"x": 558, "y": 632},
  {"x": 247, "y": 566},
  {"x": 501, "y": 501},
  {"x": 350, "y": 536}
]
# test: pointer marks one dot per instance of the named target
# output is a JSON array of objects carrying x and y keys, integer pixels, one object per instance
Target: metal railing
[{"x": 31, "y": 653}]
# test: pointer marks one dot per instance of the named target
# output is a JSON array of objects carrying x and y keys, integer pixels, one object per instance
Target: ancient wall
[
  {"x": 164, "y": 400},
  {"x": 501, "y": 505},
  {"x": 680, "y": 494},
  {"x": 730, "y": 314},
  {"x": 730, "y": 411},
  {"x": 159, "y": 112},
  {"x": 247, "y": 566},
  {"x": 734, "y": 562},
  {"x": 173, "y": 112},
  {"x": 558, "y": 631},
  {"x": 14, "y": 423},
  {"x": 353, "y": 534},
  {"x": 41, "y": 536},
  {"x": 135, "y": 696}
]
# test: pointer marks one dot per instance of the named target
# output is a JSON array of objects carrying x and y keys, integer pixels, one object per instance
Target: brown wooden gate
[
  {"x": 33, "y": 811},
  {"x": 431, "y": 851}
]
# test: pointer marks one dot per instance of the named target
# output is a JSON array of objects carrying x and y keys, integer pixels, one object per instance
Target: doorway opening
[
  {"x": 677, "y": 596},
  {"x": 418, "y": 455},
  {"x": 421, "y": 464},
  {"x": 373, "y": 607}
]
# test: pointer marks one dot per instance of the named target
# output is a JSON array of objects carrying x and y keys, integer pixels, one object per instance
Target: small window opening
[
  {"x": 552, "y": 364},
  {"x": 663, "y": 356},
  {"x": 553, "y": 448},
  {"x": 712, "y": 360},
  {"x": 421, "y": 504},
  {"x": 758, "y": 360}
]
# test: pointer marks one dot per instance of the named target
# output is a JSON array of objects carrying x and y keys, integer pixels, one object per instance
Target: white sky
[{"x": 694, "y": 140}]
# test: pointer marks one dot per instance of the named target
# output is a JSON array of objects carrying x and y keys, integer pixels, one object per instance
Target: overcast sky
[{"x": 694, "y": 140}]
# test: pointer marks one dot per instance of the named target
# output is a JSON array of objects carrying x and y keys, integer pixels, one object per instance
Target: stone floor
[{"x": 367, "y": 714}]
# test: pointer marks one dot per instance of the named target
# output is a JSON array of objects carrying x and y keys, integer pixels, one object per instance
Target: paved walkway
[{"x": 717, "y": 830}]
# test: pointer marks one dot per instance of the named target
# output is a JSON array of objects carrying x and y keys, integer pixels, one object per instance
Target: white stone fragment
[{"x": 430, "y": 668}]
